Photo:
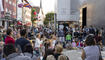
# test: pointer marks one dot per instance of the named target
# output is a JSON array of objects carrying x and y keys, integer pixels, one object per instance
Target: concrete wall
[
  {"x": 96, "y": 12},
  {"x": 68, "y": 10},
  {"x": 75, "y": 5},
  {"x": 63, "y": 10}
]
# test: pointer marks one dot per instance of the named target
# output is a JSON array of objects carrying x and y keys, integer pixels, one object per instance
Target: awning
[{"x": 19, "y": 23}]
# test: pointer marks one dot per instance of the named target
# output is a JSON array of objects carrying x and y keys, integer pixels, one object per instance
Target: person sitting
[
  {"x": 74, "y": 44},
  {"x": 10, "y": 53}
]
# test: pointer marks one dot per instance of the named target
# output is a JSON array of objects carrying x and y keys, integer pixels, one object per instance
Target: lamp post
[{"x": 7, "y": 17}]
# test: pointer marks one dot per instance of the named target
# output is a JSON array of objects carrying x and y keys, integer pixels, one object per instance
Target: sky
[{"x": 47, "y": 5}]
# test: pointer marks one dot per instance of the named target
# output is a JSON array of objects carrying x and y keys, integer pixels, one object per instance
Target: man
[
  {"x": 22, "y": 41},
  {"x": 61, "y": 35}
]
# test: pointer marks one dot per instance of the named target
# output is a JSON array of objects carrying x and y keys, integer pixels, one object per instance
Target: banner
[
  {"x": 1, "y": 6},
  {"x": 27, "y": 5}
]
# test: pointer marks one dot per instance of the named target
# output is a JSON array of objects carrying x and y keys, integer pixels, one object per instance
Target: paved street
[{"x": 76, "y": 54}]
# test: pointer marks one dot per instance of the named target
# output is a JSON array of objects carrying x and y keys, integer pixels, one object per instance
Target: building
[
  {"x": 68, "y": 12},
  {"x": 9, "y": 14},
  {"x": 40, "y": 15},
  {"x": 1, "y": 9},
  {"x": 26, "y": 14},
  {"x": 92, "y": 13},
  {"x": 19, "y": 10}
]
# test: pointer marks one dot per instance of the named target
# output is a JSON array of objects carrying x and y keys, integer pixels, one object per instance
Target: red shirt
[{"x": 9, "y": 40}]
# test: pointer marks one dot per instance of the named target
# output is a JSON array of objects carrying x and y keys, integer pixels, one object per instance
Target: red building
[{"x": 9, "y": 11}]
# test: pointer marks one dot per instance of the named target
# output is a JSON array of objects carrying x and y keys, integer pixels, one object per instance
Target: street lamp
[{"x": 7, "y": 17}]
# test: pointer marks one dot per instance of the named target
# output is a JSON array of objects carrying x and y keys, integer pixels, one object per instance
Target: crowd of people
[{"x": 43, "y": 44}]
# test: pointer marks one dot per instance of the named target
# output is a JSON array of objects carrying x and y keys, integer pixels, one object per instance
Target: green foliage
[
  {"x": 49, "y": 18},
  {"x": 32, "y": 15}
]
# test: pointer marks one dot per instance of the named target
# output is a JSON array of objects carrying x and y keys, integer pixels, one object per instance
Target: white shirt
[
  {"x": 53, "y": 43},
  {"x": 37, "y": 43}
]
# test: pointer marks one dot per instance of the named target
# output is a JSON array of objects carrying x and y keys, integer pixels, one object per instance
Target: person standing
[
  {"x": 61, "y": 35},
  {"x": 98, "y": 39},
  {"x": 68, "y": 38},
  {"x": 22, "y": 41},
  {"x": 9, "y": 39},
  {"x": 4, "y": 35}
]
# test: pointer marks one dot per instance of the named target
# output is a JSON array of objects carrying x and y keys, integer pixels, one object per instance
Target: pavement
[{"x": 76, "y": 54}]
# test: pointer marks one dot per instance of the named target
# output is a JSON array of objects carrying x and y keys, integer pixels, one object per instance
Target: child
[
  {"x": 68, "y": 38},
  {"x": 74, "y": 44},
  {"x": 69, "y": 46},
  {"x": 79, "y": 44}
]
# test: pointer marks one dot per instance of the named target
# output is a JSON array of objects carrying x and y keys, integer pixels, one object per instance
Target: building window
[
  {"x": 10, "y": 12},
  {"x": 3, "y": 23},
  {"x": 10, "y": 2},
  {"x": 6, "y": 9},
  {"x": 14, "y": 4},
  {"x": 6, "y": 0}
]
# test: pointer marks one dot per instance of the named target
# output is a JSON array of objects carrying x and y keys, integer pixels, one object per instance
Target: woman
[
  {"x": 91, "y": 51},
  {"x": 9, "y": 39},
  {"x": 63, "y": 57},
  {"x": 47, "y": 53},
  {"x": 50, "y": 57},
  {"x": 58, "y": 51}
]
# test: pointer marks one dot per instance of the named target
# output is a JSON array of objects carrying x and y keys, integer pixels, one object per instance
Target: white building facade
[
  {"x": 19, "y": 11},
  {"x": 68, "y": 13},
  {"x": 68, "y": 10}
]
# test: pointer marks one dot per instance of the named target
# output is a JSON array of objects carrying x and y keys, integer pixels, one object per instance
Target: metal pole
[{"x": 55, "y": 23}]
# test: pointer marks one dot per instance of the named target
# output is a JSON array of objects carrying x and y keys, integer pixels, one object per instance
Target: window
[
  {"x": 3, "y": 23},
  {"x": 14, "y": 13},
  {"x": 10, "y": 2},
  {"x": 6, "y": 0},
  {"x": 14, "y": 4},
  {"x": 6, "y": 9}
]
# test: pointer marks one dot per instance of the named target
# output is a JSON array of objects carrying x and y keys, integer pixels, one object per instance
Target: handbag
[{"x": 100, "y": 57}]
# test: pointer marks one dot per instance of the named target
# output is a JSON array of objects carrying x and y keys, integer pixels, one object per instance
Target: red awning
[{"x": 19, "y": 23}]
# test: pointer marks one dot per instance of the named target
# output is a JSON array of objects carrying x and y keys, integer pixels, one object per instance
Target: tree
[{"x": 49, "y": 18}]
